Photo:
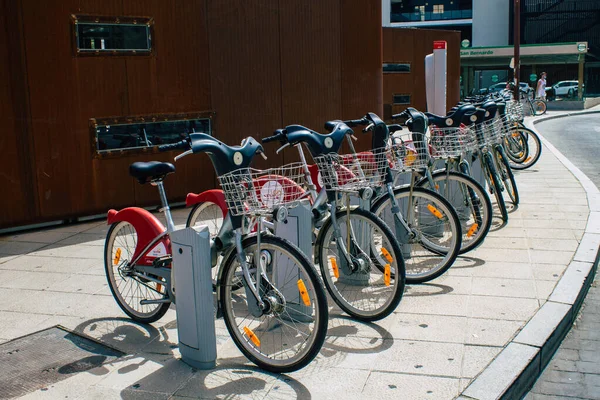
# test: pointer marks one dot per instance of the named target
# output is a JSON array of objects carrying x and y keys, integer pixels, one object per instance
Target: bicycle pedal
[{"x": 162, "y": 262}]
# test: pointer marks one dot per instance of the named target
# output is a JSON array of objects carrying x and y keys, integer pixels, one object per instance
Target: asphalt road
[{"x": 574, "y": 371}]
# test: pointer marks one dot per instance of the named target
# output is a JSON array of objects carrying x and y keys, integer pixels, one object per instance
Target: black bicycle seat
[
  {"x": 155, "y": 170},
  {"x": 225, "y": 158},
  {"x": 319, "y": 143}
]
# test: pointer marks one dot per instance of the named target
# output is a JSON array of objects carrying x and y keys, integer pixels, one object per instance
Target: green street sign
[
  {"x": 532, "y": 77},
  {"x": 465, "y": 43},
  {"x": 495, "y": 78}
]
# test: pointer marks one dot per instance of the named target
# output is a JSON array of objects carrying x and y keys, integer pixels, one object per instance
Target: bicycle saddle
[
  {"x": 454, "y": 119},
  {"x": 319, "y": 143},
  {"x": 225, "y": 158},
  {"x": 155, "y": 170}
]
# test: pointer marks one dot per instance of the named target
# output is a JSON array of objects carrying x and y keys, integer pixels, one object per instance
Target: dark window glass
[
  {"x": 112, "y": 37},
  {"x": 147, "y": 134},
  {"x": 388, "y": 67},
  {"x": 401, "y": 99}
]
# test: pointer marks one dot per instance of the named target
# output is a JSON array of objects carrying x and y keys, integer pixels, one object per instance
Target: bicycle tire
[
  {"x": 515, "y": 146},
  {"x": 538, "y": 107},
  {"x": 508, "y": 178},
  {"x": 349, "y": 289},
  {"x": 428, "y": 260},
  {"x": 256, "y": 339},
  {"x": 145, "y": 314},
  {"x": 494, "y": 188},
  {"x": 534, "y": 149},
  {"x": 471, "y": 210}
]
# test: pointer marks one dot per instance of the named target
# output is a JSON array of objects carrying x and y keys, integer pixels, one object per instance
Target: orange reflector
[
  {"x": 472, "y": 230},
  {"x": 387, "y": 255},
  {"x": 334, "y": 267},
  {"x": 527, "y": 159},
  {"x": 434, "y": 211},
  {"x": 410, "y": 158},
  {"x": 303, "y": 292},
  {"x": 252, "y": 336},
  {"x": 387, "y": 275},
  {"x": 437, "y": 187},
  {"x": 117, "y": 256}
]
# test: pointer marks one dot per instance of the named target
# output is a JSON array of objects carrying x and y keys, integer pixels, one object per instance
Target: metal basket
[
  {"x": 250, "y": 191},
  {"x": 514, "y": 110},
  {"x": 407, "y": 155},
  {"x": 451, "y": 142},
  {"x": 492, "y": 131},
  {"x": 352, "y": 172}
]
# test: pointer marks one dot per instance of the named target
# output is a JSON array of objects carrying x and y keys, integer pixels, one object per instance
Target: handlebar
[{"x": 181, "y": 145}]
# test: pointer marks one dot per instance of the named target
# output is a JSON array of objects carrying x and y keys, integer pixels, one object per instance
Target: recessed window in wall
[
  {"x": 116, "y": 36},
  {"x": 396, "y": 67},
  {"x": 401, "y": 99},
  {"x": 115, "y": 135},
  {"x": 438, "y": 8}
]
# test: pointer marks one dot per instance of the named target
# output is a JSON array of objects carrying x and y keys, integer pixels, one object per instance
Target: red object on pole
[
  {"x": 439, "y": 44},
  {"x": 517, "y": 40}
]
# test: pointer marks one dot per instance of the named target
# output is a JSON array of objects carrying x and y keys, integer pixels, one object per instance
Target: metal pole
[
  {"x": 580, "y": 83},
  {"x": 517, "y": 40}
]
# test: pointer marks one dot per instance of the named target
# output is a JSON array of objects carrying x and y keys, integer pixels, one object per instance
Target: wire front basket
[
  {"x": 491, "y": 131},
  {"x": 250, "y": 191},
  {"x": 452, "y": 142},
  {"x": 406, "y": 154},
  {"x": 514, "y": 110},
  {"x": 352, "y": 172}
]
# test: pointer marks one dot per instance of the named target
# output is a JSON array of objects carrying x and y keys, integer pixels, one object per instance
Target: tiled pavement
[{"x": 442, "y": 335}]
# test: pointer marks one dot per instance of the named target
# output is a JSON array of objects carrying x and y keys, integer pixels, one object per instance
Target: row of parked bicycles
[{"x": 399, "y": 213}]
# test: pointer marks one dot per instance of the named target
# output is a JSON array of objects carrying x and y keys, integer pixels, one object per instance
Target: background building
[{"x": 486, "y": 25}]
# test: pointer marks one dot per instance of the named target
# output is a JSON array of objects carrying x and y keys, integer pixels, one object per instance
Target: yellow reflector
[
  {"x": 303, "y": 292},
  {"x": 434, "y": 211},
  {"x": 334, "y": 267},
  {"x": 387, "y": 275},
  {"x": 527, "y": 159},
  {"x": 117, "y": 256},
  {"x": 387, "y": 255},
  {"x": 472, "y": 230},
  {"x": 252, "y": 336},
  {"x": 410, "y": 158}
]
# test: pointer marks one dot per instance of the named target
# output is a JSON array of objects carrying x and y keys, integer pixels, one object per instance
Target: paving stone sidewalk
[{"x": 442, "y": 335}]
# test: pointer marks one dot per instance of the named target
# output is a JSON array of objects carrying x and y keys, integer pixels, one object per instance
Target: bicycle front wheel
[
  {"x": 525, "y": 150},
  {"x": 371, "y": 287},
  {"x": 434, "y": 240},
  {"x": 508, "y": 178},
  {"x": 288, "y": 332},
  {"x": 469, "y": 200},
  {"x": 127, "y": 288}
]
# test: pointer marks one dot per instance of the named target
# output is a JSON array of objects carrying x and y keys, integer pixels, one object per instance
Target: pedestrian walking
[{"x": 541, "y": 87}]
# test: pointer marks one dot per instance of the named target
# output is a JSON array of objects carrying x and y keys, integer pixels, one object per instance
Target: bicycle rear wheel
[
  {"x": 371, "y": 288},
  {"x": 471, "y": 202},
  {"x": 128, "y": 289},
  {"x": 288, "y": 333},
  {"x": 435, "y": 238},
  {"x": 538, "y": 106}
]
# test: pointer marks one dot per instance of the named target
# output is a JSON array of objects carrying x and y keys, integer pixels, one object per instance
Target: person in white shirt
[{"x": 541, "y": 87}]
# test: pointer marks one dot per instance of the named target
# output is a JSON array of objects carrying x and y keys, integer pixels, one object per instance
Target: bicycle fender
[
  {"x": 146, "y": 225},
  {"x": 214, "y": 196}
]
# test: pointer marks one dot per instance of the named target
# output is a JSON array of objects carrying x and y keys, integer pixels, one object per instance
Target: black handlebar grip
[
  {"x": 182, "y": 145},
  {"x": 279, "y": 135},
  {"x": 403, "y": 114},
  {"x": 356, "y": 122}
]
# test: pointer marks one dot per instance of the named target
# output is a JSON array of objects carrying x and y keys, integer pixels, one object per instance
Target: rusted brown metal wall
[
  {"x": 259, "y": 65},
  {"x": 412, "y": 45}
]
